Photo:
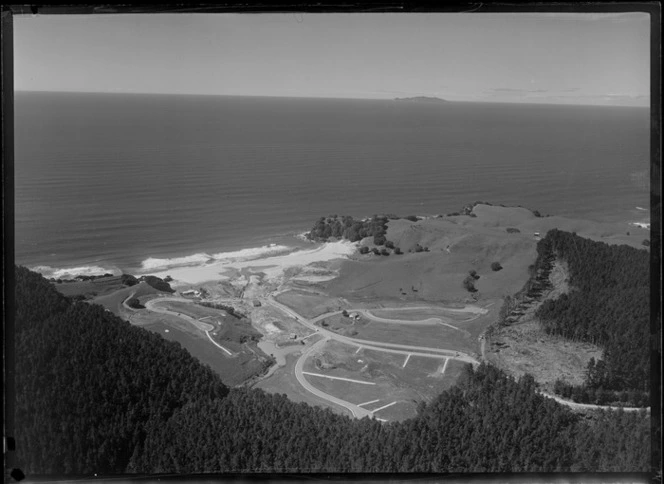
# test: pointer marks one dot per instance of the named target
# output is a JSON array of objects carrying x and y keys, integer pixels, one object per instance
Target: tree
[
  {"x": 364, "y": 250},
  {"x": 495, "y": 266},
  {"x": 389, "y": 244},
  {"x": 397, "y": 250}
]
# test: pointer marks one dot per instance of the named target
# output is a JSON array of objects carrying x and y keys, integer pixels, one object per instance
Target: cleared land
[
  {"x": 232, "y": 371},
  {"x": 523, "y": 346},
  {"x": 435, "y": 336},
  {"x": 310, "y": 304},
  {"x": 421, "y": 379},
  {"x": 90, "y": 289},
  {"x": 284, "y": 382},
  {"x": 423, "y": 314}
]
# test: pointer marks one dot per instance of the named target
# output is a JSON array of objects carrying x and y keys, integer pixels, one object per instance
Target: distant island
[{"x": 422, "y": 99}]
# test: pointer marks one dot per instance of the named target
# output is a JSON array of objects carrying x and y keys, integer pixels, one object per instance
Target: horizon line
[{"x": 341, "y": 98}]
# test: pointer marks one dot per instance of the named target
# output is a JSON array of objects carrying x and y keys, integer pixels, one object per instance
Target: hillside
[
  {"x": 471, "y": 239},
  {"x": 95, "y": 394}
]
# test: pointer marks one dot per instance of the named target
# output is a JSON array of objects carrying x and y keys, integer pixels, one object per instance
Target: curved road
[
  {"x": 205, "y": 327},
  {"x": 357, "y": 412},
  {"x": 394, "y": 348},
  {"x": 373, "y": 345}
]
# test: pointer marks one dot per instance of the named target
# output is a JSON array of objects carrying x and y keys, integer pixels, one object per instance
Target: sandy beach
[{"x": 271, "y": 266}]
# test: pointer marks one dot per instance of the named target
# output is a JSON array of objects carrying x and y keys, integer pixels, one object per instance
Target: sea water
[{"x": 139, "y": 183}]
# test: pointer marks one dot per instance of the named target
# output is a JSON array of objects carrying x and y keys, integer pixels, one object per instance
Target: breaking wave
[
  {"x": 153, "y": 264},
  {"x": 71, "y": 272}
]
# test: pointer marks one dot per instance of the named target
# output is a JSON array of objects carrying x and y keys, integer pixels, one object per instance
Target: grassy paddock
[
  {"x": 194, "y": 310},
  {"x": 417, "y": 314},
  {"x": 399, "y": 411},
  {"x": 309, "y": 305},
  {"x": 231, "y": 370},
  {"x": 435, "y": 336}
]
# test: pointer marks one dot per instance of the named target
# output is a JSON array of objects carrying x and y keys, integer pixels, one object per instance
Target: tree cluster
[
  {"x": 345, "y": 227},
  {"x": 157, "y": 283},
  {"x": 90, "y": 386},
  {"x": 609, "y": 305}
]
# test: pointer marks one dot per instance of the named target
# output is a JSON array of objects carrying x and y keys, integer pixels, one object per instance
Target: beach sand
[{"x": 272, "y": 267}]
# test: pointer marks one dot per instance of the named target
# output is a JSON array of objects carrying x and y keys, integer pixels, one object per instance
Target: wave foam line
[
  {"x": 71, "y": 272},
  {"x": 153, "y": 264}
]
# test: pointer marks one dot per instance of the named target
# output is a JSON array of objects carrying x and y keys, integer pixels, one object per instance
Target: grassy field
[
  {"x": 309, "y": 304},
  {"x": 417, "y": 314},
  {"x": 421, "y": 379},
  {"x": 232, "y": 371},
  {"x": 98, "y": 287},
  {"x": 436, "y": 336},
  {"x": 284, "y": 382},
  {"x": 195, "y": 311},
  {"x": 113, "y": 300},
  {"x": 401, "y": 410}
]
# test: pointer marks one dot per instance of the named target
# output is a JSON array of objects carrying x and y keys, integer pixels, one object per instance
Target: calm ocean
[{"x": 110, "y": 180}]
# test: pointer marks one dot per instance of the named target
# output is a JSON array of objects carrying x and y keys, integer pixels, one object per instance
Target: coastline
[{"x": 280, "y": 251}]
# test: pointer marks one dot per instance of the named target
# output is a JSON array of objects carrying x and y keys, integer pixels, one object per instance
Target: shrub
[
  {"x": 158, "y": 284},
  {"x": 389, "y": 244},
  {"x": 375, "y": 251},
  {"x": 344, "y": 313},
  {"x": 397, "y": 250},
  {"x": 645, "y": 242},
  {"x": 418, "y": 248},
  {"x": 385, "y": 252},
  {"x": 473, "y": 273},
  {"x": 469, "y": 284},
  {"x": 364, "y": 250},
  {"x": 512, "y": 230},
  {"x": 379, "y": 239},
  {"x": 128, "y": 280},
  {"x": 135, "y": 303},
  {"x": 495, "y": 266},
  {"x": 412, "y": 218}
]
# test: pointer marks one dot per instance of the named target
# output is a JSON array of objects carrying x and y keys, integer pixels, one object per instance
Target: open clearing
[
  {"x": 421, "y": 379},
  {"x": 424, "y": 314},
  {"x": 195, "y": 311},
  {"x": 283, "y": 382},
  {"x": 310, "y": 304},
  {"x": 435, "y": 336},
  {"x": 232, "y": 371}
]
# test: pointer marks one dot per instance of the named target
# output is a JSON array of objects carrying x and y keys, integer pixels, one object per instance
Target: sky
[{"x": 498, "y": 57}]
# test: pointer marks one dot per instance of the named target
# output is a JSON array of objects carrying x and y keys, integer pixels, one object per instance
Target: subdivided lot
[
  {"x": 356, "y": 393},
  {"x": 283, "y": 382},
  {"x": 421, "y": 314},
  {"x": 401, "y": 410},
  {"x": 433, "y": 336},
  {"x": 232, "y": 371},
  {"x": 426, "y": 376},
  {"x": 380, "y": 377},
  {"x": 309, "y": 304}
]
